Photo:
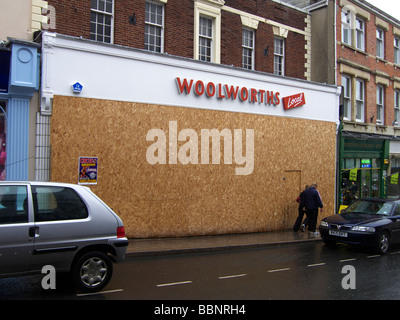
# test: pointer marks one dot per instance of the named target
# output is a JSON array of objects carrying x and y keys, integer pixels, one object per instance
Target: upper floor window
[
  {"x": 346, "y": 28},
  {"x": 397, "y": 50},
  {"x": 397, "y": 107},
  {"x": 360, "y": 100},
  {"x": 360, "y": 34},
  {"x": 346, "y": 83},
  {"x": 380, "y": 43},
  {"x": 279, "y": 56},
  {"x": 154, "y": 27},
  {"x": 248, "y": 49},
  {"x": 380, "y": 104},
  {"x": 101, "y": 21},
  {"x": 205, "y": 38}
]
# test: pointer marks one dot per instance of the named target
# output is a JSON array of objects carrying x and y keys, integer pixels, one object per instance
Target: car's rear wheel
[
  {"x": 383, "y": 242},
  {"x": 92, "y": 271}
]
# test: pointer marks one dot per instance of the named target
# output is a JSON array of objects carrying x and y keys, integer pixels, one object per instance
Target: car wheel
[
  {"x": 92, "y": 271},
  {"x": 383, "y": 243},
  {"x": 329, "y": 243}
]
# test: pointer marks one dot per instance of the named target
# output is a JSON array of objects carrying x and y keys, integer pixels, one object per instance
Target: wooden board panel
[{"x": 163, "y": 200}]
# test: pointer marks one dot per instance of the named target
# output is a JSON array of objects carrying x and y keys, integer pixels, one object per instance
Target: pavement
[{"x": 162, "y": 246}]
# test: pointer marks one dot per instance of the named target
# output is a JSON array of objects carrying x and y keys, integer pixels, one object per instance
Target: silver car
[{"x": 62, "y": 225}]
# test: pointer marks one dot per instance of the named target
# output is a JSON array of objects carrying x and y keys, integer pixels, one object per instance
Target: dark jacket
[{"x": 311, "y": 198}]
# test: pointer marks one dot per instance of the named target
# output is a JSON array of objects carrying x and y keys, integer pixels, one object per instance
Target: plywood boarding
[{"x": 164, "y": 200}]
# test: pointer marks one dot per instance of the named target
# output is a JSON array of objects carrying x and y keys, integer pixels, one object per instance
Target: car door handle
[{"x": 33, "y": 232}]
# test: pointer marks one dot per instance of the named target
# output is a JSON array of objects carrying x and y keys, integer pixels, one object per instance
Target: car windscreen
[{"x": 370, "y": 207}]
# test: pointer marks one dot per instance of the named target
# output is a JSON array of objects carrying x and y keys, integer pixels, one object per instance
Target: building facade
[
  {"x": 19, "y": 88},
  {"x": 259, "y": 35},
  {"x": 368, "y": 62},
  {"x": 179, "y": 147}
]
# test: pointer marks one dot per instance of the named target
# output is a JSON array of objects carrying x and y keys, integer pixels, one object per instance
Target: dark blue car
[{"x": 368, "y": 222}]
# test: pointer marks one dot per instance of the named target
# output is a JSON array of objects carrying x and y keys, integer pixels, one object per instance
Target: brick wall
[
  {"x": 369, "y": 63},
  {"x": 73, "y": 18}
]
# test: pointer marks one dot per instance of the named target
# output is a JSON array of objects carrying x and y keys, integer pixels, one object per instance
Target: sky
[{"x": 392, "y": 7}]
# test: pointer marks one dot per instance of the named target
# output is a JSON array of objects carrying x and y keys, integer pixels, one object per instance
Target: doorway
[{"x": 292, "y": 181}]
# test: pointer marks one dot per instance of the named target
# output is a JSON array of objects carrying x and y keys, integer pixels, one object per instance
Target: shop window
[
  {"x": 101, "y": 20},
  {"x": 248, "y": 49},
  {"x": 360, "y": 178},
  {"x": 279, "y": 56},
  {"x": 154, "y": 27},
  {"x": 3, "y": 129}
]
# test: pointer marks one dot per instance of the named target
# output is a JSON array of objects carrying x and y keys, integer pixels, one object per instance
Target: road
[{"x": 291, "y": 271}]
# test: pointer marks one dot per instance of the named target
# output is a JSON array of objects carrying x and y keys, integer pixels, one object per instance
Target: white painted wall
[{"x": 113, "y": 72}]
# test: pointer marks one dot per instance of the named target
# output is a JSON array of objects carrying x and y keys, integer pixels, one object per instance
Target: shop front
[
  {"x": 363, "y": 165},
  {"x": 179, "y": 147},
  {"x": 19, "y": 82}
]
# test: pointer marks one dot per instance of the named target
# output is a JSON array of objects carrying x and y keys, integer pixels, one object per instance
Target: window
[
  {"x": 205, "y": 39},
  {"x": 101, "y": 20},
  {"x": 360, "y": 98},
  {"x": 154, "y": 27},
  {"x": 57, "y": 203},
  {"x": 360, "y": 34},
  {"x": 380, "y": 43},
  {"x": 380, "y": 107},
  {"x": 346, "y": 83},
  {"x": 346, "y": 28},
  {"x": 13, "y": 204},
  {"x": 3, "y": 130},
  {"x": 248, "y": 49},
  {"x": 397, "y": 107},
  {"x": 279, "y": 56},
  {"x": 397, "y": 50}
]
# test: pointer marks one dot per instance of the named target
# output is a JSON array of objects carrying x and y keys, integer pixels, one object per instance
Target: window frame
[
  {"x": 360, "y": 100},
  {"x": 380, "y": 43},
  {"x": 396, "y": 45},
  {"x": 159, "y": 27},
  {"x": 248, "y": 50},
  {"x": 360, "y": 32},
  {"x": 104, "y": 13},
  {"x": 206, "y": 40},
  {"x": 397, "y": 107},
  {"x": 347, "y": 97},
  {"x": 380, "y": 104},
  {"x": 346, "y": 28},
  {"x": 279, "y": 58}
]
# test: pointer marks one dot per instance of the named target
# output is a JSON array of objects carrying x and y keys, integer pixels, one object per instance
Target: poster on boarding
[{"x": 88, "y": 170}]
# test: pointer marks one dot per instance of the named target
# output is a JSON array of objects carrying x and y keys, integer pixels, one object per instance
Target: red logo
[{"x": 294, "y": 101}]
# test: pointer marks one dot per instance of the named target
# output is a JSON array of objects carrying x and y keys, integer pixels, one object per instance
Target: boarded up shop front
[{"x": 186, "y": 148}]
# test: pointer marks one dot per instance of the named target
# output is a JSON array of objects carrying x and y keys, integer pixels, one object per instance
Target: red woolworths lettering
[{"x": 294, "y": 101}]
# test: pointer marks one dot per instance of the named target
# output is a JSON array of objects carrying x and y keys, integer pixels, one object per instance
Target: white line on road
[
  {"x": 173, "y": 283},
  {"x": 278, "y": 270},
  {"x": 346, "y": 260},
  {"x": 233, "y": 276},
  {"x": 316, "y": 264},
  {"x": 100, "y": 292},
  {"x": 374, "y": 256}
]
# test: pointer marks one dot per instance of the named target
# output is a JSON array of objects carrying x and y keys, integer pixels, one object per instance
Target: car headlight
[
  {"x": 363, "y": 229},
  {"x": 324, "y": 224}
]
